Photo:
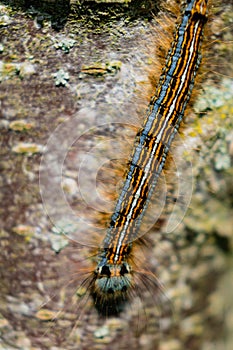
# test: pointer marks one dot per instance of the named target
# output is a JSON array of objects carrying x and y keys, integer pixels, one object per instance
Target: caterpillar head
[{"x": 111, "y": 286}]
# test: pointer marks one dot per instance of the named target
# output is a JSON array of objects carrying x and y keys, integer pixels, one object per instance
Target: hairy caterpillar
[{"x": 114, "y": 277}]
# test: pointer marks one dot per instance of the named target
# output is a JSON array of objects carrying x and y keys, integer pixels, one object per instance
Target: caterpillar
[{"x": 114, "y": 278}]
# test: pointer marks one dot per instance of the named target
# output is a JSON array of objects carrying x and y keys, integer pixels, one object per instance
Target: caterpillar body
[{"x": 113, "y": 279}]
